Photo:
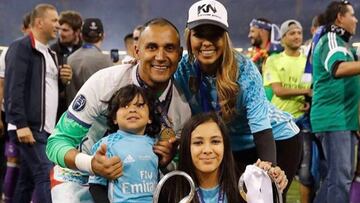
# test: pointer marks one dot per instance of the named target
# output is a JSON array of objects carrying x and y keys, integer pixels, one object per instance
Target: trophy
[
  {"x": 277, "y": 198},
  {"x": 186, "y": 199}
]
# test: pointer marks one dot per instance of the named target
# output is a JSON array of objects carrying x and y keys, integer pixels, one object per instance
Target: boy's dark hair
[
  {"x": 123, "y": 97},
  {"x": 332, "y": 10}
]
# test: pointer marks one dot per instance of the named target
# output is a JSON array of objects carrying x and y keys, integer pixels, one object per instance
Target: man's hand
[
  {"x": 110, "y": 168},
  {"x": 306, "y": 107},
  {"x": 165, "y": 150},
  {"x": 25, "y": 135},
  {"x": 65, "y": 74}
]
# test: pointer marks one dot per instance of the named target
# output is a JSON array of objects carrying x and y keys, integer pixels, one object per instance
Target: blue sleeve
[{"x": 254, "y": 97}]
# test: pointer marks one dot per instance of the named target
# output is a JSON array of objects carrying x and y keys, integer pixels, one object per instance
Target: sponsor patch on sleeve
[{"x": 79, "y": 103}]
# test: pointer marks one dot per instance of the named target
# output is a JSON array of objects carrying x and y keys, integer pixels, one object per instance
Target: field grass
[{"x": 293, "y": 193}]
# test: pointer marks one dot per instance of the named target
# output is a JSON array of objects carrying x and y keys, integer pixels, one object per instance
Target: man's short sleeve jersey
[
  {"x": 335, "y": 100},
  {"x": 287, "y": 70}
]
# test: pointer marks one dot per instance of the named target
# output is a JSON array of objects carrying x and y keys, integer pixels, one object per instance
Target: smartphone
[
  {"x": 63, "y": 59},
  {"x": 114, "y": 54}
]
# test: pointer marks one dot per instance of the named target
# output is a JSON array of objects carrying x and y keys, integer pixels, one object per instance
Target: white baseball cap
[{"x": 207, "y": 12}]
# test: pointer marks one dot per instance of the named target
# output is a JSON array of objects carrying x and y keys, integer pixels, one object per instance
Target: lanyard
[
  {"x": 90, "y": 46},
  {"x": 201, "y": 198},
  {"x": 161, "y": 107},
  {"x": 204, "y": 95}
]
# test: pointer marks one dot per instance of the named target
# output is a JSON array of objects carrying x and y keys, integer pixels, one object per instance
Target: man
[
  {"x": 31, "y": 96},
  {"x": 335, "y": 103},
  {"x": 158, "y": 52},
  {"x": 286, "y": 77},
  {"x": 285, "y": 71},
  {"x": 11, "y": 153},
  {"x": 69, "y": 35},
  {"x": 129, "y": 47},
  {"x": 68, "y": 42},
  {"x": 265, "y": 39},
  {"x": 89, "y": 58},
  {"x": 136, "y": 34}
]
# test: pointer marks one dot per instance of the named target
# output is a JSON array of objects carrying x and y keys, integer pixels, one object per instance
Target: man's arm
[
  {"x": 345, "y": 69},
  {"x": 281, "y": 91},
  {"x": 17, "y": 62},
  {"x": 61, "y": 149}
]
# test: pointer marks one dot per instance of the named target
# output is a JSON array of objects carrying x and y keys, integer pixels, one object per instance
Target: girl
[
  {"x": 214, "y": 77},
  {"x": 205, "y": 154},
  {"x": 134, "y": 128}
]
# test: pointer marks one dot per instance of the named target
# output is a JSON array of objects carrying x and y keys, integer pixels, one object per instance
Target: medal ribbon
[
  {"x": 201, "y": 198},
  {"x": 161, "y": 107},
  {"x": 204, "y": 95}
]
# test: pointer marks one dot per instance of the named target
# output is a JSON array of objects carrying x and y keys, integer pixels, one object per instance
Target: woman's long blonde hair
[{"x": 226, "y": 77}]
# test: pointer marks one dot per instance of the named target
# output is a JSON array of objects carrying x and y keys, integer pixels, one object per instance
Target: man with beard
[
  {"x": 285, "y": 73},
  {"x": 265, "y": 39},
  {"x": 68, "y": 42}
]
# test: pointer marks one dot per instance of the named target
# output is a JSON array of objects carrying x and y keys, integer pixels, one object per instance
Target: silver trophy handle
[
  {"x": 243, "y": 193},
  {"x": 186, "y": 199}
]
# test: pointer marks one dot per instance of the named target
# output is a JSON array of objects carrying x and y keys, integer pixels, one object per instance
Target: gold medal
[{"x": 166, "y": 134}]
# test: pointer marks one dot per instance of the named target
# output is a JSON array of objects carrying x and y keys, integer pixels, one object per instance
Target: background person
[
  {"x": 335, "y": 102},
  {"x": 31, "y": 99}
]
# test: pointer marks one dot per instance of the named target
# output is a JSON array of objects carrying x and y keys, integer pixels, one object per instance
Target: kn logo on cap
[{"x": 205, "y": 8}]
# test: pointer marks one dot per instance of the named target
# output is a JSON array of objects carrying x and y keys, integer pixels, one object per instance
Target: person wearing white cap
[
  {"x": 285, "y": 74},
  {"x": 214, "y": 77}
]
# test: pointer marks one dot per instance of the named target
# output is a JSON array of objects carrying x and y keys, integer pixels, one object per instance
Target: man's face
[
  {"x": 293, "y": 38},
  {"x": 158, "y": 53},
  {"x": 348, "y": 20},
  {"x": 67, "y": 35},
  {"x": 129, "y": 43},
  {"x": 136, "y": 35},
  {"x": 49, "y": 24},
  {"x": 254, "y": 36}
]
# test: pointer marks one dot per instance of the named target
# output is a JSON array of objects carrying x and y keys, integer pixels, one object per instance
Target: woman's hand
[{"x": 275, "y": 173}]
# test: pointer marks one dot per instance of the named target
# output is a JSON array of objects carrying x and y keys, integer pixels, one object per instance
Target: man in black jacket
[
  {"x": 31, "y": 97},
  {"x": 68, "y": 42}
]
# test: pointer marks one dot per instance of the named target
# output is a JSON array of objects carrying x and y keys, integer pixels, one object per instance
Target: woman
[
  {"x": 214, "y": 77},
  {"x": 205, "y": 154}
]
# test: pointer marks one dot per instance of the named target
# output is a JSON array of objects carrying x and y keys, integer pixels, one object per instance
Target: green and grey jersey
[
  {"x": 335, "y": 100},
  {"x": 84, "y": 123}
]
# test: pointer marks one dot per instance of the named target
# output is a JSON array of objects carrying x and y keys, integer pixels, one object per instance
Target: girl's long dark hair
[
  {"x": 228, "y": 178},
  {"x": 123, "y": 97}
]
